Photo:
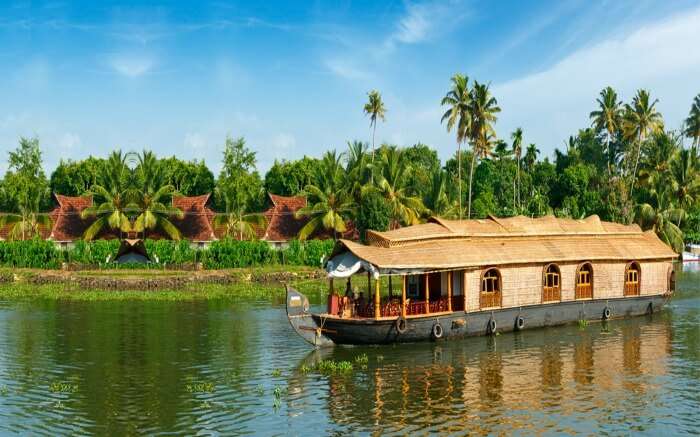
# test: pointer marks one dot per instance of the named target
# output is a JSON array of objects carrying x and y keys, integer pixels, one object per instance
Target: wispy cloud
[
  {"x": 130, "y": 65},
  {"x": 346, "y": 69},
  {"x": 655, "y": 57}
]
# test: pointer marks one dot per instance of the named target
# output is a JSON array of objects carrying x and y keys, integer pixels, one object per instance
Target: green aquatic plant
[
  {"x": 276, "y": 373},
  {"x": 582, "y": 324},
  {"x": 62, "y": 387},
  {"x": 362, "y": 359},
  {"x": 305, "y": 369},
  {"x": 200, "y": 387},
  {"x": 333, "y": 367}
]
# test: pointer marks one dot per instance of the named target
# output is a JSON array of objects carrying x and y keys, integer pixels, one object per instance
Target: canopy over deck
[{"x": 449, "y": 244}]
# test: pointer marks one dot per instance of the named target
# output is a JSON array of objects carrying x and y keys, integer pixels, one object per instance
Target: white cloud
[
  {"x": 284, "y": 141},
  {"x": 131, "y": 65},
  {"x": 194, "y": 141},
  {"x": 346, "y": 69},
  {"x": 69, "y": 141},
  {"x": 423, "y": 20},
  {"x": 553, "y": 104}
]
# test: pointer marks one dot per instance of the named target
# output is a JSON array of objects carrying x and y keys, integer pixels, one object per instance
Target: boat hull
[{"x": 463, "y": 324}]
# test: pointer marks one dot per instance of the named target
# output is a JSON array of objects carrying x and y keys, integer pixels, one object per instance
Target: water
[{"x": 214, "y": 367}]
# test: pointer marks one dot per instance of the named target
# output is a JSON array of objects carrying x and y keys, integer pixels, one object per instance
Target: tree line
[{"x": 623, "y": 165}]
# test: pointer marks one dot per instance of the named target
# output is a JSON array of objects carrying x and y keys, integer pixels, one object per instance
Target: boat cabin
[{"x": 446, "y": 266}]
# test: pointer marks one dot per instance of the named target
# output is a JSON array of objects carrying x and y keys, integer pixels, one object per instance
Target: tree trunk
[
  {"x": 636, "y": 164},
  {"x": 520, "y": 203},
  {"x": 471, "y": 177},
  {"x": 459, "y": 178}
]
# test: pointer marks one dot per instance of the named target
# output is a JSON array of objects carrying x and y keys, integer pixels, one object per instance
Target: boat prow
[{"x": 303, "y": 321}]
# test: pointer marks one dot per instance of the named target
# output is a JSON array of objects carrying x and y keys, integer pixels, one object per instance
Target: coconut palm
[
  {"x": 661, "y": 216},
  {"x": 458, "y": 117},
  {"x": 110, "y": 198},
  {"x": 375, "y": 109},
  {"x": 153, "y": 201},
  {"x": 392, "y": 185},
  {"x": 436, "y": 199},
  {"x": 329, "y": 203},
  {"x": 531, "y": 154},
  {"x": 685, "y": 178},
  {"x": 692, "y": 123},
  {"x": 483, "y": 108},
  {"x": 237, "y": 223},
  {"x": 517, "y": 137},
  {"x": 358, "y": 168},
  {"x": 608, "y": 116},
  {"x": 640, "y": 119}
]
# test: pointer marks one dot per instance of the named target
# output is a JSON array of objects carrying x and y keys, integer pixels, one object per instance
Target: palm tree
[
  {"x": 685, "y": 178},
  {"x": 531, "y": 154},
  {"x": 517, "y": 137},
  {"x": 608, "y": 117},
  {"x": 692, "y": 123},
  {"x": 393, "y": 186},
  {"x": 358, "y": 168},
  {"x": 153, "y": 201},
  {"x": 436, "y": 199},
  {"x": 458, "y": 117},
  {"x": 483, "y": 108},
  {"x": 661, "y": 217},
  {"x": 375, "y": 109},
  {"x": 110, "y": 198},
  {"x": 329, "y": 203},
  {"x": 640, "y": 119},
  {"x": 29, "y": 221},
  {"x": 236, "y": 223}
]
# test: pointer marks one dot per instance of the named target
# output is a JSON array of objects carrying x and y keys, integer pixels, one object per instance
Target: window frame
[
  {"x": 494, "y": 298},
  {"x": 554, "y": 290},
  {"x": 629, "y": 284},
  {"x": 591, "y": 281}
]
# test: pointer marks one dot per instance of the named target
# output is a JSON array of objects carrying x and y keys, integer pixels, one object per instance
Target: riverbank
[{"x": 155, "y": 284}]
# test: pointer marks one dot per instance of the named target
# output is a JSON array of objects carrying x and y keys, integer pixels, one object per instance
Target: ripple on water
[{"x": 235, "y": 367}]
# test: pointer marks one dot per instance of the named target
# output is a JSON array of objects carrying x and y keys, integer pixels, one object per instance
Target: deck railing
[{"x": 392, "y": 308}]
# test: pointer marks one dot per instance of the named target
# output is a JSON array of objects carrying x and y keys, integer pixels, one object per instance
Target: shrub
[
  {"x": 93, "y": 252},
  {"x": 307, "y": 253},
  {"x": 30, "y": 253},
  {"x": 230, "y": 253},
  {"x": 374, "y": 214}
]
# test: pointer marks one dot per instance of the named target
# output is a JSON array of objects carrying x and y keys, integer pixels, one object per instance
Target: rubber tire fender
[
  {"x": 607, "y": 313},
  {"x": 492, "y": 326},
  {"x": 519, "y": 323},
  {"x": 401, "y": 325},
  {"x": 437, "y": 331}
]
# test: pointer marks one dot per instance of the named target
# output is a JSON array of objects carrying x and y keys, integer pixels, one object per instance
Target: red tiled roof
[
  {"x": 196, "y": 223},
  {"x": 282, "y": 224},
  {"x": 68, "y": 225}
]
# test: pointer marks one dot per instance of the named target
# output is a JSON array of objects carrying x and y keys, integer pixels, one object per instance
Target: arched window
[
  {"x": 551, "y": 283},
  {"x": 584, "y": 281},
  {"x": 632, "y": 279},
  {"x": 671, "y": 280},
  {"x": 490, "y": 295}
]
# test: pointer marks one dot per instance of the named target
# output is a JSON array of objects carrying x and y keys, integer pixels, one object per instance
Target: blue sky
[{"x": 291, "y": 77}]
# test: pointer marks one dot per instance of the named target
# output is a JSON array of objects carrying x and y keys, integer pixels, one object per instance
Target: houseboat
[{"x": 457, "y": 278}]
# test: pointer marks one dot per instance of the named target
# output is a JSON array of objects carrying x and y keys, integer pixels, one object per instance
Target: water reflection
[{"x": 236, "y": 368}]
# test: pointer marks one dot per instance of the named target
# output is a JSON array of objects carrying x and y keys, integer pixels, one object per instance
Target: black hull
[{"x": 461, "y": 324}]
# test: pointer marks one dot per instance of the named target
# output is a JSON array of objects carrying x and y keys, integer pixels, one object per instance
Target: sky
[{"x": 88, "y": 77}]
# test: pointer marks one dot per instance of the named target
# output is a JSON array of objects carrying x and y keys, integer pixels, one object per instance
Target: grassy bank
[{"x": 246, "y": 283}]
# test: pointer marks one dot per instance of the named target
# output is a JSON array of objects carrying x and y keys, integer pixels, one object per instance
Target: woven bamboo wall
[{"x": 522, "y": 285}]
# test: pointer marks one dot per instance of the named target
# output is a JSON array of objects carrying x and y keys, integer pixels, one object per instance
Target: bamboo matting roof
[{"x": 445, "y": 244}]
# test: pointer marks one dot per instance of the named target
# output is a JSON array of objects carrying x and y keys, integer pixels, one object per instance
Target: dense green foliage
[
  {"x": 222, "y": 254},
  {"x": 623, "y": 165}
]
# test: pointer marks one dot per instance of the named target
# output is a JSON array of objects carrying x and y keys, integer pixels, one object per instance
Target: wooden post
[
  {"x": 464, "y": 288},
  {"x": 449, "y": 291},
  {"x": 377, "y": 300},
  {"x": 403, "y": 297},
  {"x": 427, "y": 294}
]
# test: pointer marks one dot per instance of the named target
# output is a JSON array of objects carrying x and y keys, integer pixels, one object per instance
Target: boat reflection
[{"x": 501, "y": 383}]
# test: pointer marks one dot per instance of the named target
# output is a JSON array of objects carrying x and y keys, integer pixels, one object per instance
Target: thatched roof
[{"x": 449, "y": 244}]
